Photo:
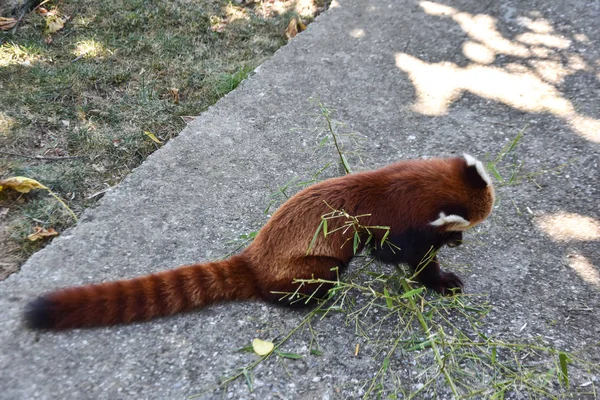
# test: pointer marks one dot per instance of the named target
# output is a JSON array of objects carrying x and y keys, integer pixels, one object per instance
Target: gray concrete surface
[{"x": 411, "y": 78}]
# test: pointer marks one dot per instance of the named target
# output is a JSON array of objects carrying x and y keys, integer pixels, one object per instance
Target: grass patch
[{"x": 76, "y": 103}]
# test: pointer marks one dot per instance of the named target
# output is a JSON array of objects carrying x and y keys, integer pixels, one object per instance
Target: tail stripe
[
  {"x": 203, "y": 283},
  {"x": 120, "y": 297},
  {"x": 218, "y": 280},
  {"x": 191, "y": 286},
  {"x": 155, "y": 297},
  {"x": 175, "y": 292},
  {"x": 135, "y": 302},
  {"x": 100, "y": 305},
  {"x": 92, "y": 296}
]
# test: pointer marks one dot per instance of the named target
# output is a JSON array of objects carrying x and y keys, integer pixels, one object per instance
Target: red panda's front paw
[{"x": 448, "y": 284}]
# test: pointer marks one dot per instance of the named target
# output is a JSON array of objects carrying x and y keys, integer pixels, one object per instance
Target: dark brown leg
[{"x": 432, "y": 276}]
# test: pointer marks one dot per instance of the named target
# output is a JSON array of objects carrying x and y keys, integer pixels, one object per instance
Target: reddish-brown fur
[{"x": 406, "y": 196}]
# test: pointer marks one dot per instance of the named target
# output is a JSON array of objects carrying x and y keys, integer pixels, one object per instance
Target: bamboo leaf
[
  {"x": 386, "y": 363},
  {"x": 385, "y": 236},
  {"x": 388, "y": 299},
  {"x": 248, "y": 376},
  {"x": 563, "y": 360},
  {"x": 293, "y": 356},
  {"x": 413, "y": 292},
  {"x": 356, "y": 242},
  {"x": 314, "y": 239}
]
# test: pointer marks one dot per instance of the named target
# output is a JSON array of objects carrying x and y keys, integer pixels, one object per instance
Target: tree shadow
[{"x": 527, "y": 72}]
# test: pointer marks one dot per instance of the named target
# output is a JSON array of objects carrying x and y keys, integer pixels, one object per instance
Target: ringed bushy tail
[{"x": 146, "y": 297}]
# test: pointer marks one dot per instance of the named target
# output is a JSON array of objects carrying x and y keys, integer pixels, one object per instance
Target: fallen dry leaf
[
  {"x": 296, "y": 25},
  {"x": 262, "y": 347},
  {"x": 175, "y": 94},
  {"x": 24, "y": 185},
  {"x": 217, "y": 24},
  {"x": 7, "y": 23},
  {"x": 301, "y": 25},
  {"x": 151, "y": 136},
  {"x": 41, "y": 233},
  {"x": 21, "y": 184},
  {"x": 54, "y": 23},
  {"x": 188, "y": 118},
  {"x": 292, "y": 29}
]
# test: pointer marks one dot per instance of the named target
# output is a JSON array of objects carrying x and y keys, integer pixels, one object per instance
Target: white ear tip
[
  {"x": 469, "y": 159},
  {"x": 473, "y": 162}
]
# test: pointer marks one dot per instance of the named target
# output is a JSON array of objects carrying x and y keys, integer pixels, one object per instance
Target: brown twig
[
  {"x": 14, "y": 29},
  {"x": 39, "y": 157}
]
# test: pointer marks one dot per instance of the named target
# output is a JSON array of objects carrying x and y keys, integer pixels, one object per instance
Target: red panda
[{"x": 425, "y": 204}]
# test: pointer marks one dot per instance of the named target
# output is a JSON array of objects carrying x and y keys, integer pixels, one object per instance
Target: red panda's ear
[{"x": 476, "y": 173}]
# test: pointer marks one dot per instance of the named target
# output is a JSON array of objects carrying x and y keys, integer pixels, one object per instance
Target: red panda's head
[{"x": 474, "y": 196}]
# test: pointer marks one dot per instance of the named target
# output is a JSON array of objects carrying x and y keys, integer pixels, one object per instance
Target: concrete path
[{"x": 409, "y": 79}]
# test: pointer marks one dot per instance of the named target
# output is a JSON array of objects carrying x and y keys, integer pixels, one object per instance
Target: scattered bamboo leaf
[
  {"x": 386, "y": 363},
  {"x": 563, "y": 360},
  {"x": 314, "y": 239},
  {"x": 356, "y": 242},
  {"x": 385, "y": 236},
  {"x": 248, "y": 376},
  {"x": 293, "y": 356},
  {"x": 412, "y": 292},
  {"x": 388, "y": 299}
]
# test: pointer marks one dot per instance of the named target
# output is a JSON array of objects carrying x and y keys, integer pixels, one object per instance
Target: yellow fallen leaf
[
  {"x": 292, "y": 29},
  {"x": 21, "y": 184},
  {"x": 262, "y": 347},
  {"x": 7, "y": 23},
  {"x": 54, "y": 23},
  {"x": 24, "y": 185},
  {"x": 41, "y": 233},
  {"x": 151, "y": 136}
]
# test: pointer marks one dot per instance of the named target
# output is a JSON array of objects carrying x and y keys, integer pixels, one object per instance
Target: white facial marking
[
  {"x": 457, "y": 222},
  {"x": 472, "y": 161}
]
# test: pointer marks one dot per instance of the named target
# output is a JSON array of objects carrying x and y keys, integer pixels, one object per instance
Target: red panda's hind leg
[
  {"x": 295, "y": 291},
  {"x": 432, "y": 277}
]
